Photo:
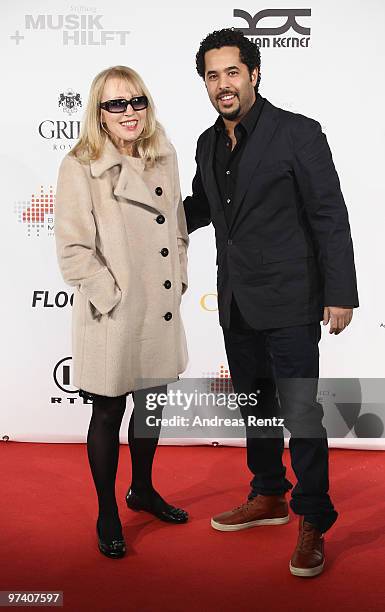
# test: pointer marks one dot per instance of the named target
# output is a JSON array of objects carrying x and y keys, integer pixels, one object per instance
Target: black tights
[{"x": 103, "y": 453}]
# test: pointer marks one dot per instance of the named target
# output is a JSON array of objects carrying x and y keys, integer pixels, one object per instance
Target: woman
[{"x": 121, "y": 241}]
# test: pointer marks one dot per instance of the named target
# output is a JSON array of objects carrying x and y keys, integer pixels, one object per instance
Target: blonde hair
[{"x": 92, "y": 135}]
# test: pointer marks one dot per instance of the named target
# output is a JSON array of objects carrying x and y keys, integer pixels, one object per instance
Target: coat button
[
  {"x": 168, "y": 316},
  {"x": 167, "y": 284},
  {"x": 160, "y": 219},
  {"x": 164, "y": 252},
  {"x": 229, "y": 241},
  {"x": 159, "y": 191}
]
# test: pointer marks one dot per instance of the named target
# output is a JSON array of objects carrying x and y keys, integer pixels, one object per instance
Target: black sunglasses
[{"x": 120, "y": 105}]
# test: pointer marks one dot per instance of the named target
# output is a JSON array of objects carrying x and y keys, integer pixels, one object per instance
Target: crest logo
[{"x": 70, "y": 101}]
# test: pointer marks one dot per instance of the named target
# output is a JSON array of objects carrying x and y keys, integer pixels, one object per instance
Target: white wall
[{"x": 337, "y": 79}]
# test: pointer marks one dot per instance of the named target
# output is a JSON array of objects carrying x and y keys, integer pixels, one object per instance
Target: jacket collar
[
  {"x": 111, "y": 157},
  {"x": 257, "y": 143},
  {"x": 131, "y": 183}
]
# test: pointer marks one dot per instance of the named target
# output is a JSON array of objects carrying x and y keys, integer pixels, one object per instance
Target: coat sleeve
[
  {"x": 75, "y": 234},
  {"x": 196, "y": 206},
  {"x": 182, "y": 235},
  {"x": 326, "y": 212}
]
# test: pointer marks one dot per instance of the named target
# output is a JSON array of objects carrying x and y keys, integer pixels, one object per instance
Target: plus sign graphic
[{"x": 17, "y": 37}]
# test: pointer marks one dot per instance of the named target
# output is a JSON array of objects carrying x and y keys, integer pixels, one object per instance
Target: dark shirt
[{"x": 226, "y": 161}]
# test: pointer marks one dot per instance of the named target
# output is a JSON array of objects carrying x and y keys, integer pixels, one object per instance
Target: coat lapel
[
  {"x": 253, "y": 153},
  {"x": 132, "y": 187},
  {"x": 250, "y": 160},
  {"x": 207, "y": 170},
  {"x": 131, "y": 182}
]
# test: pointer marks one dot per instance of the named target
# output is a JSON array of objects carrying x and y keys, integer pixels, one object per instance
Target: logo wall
[{"x": 36, "y": 213}]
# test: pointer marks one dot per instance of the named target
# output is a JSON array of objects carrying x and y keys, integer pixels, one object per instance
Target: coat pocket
[
  {"x": 276, "y": 166},
  {"x": 97, "y": 315},
  {"x": 285, "y": 252},
  {"x": 102, "y": 291}
]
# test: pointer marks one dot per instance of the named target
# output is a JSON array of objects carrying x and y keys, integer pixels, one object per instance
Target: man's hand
[{"x": 339, "y": 318}]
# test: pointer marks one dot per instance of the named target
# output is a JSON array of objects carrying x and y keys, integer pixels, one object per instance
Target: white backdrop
[{"x": 49, "y": 48}]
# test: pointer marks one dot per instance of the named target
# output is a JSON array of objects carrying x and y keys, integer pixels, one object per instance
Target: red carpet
[{"x": 48, "y": 513}]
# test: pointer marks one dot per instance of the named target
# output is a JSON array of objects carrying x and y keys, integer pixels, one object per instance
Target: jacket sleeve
[
  {"x": 326, "y": 212},
  {"x": 196, "y": 206},
  {"x": 75, "y": 234},
  {"x": 182, "y": 235}
]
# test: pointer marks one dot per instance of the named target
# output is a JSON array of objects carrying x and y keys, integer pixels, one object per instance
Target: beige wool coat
[{"x": 121, "y": 242}]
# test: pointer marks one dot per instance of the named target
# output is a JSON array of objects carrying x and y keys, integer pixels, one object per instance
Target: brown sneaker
[
  {"x": 308, "y": 558},
  {"x": 261, "y": 510}
]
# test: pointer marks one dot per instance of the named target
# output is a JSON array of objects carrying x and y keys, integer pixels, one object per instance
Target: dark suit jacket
[{"x": 288, "y": 251}]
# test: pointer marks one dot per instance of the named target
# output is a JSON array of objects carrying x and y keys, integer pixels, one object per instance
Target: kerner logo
[{"x": 271, "y": 36}]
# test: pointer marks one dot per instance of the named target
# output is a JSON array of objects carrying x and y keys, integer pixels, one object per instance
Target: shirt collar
[{"x": 248, "y": 122}]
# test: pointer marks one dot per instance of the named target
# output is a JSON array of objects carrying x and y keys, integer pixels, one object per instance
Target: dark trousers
[{"x": 284, "y": 362}]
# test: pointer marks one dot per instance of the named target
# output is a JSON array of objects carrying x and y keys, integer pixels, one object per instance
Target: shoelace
[
  {"x": 244, "y": 507},
  {"x": 308, "y": 539}
]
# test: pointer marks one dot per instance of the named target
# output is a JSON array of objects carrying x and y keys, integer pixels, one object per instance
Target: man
[{"x": 266, "y": 180}]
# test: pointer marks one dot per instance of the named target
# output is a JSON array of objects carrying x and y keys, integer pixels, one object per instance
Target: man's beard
[{"x": 231, "y": 115}]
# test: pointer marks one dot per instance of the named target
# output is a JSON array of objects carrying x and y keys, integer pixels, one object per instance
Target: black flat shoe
[
  {"x": 158, "y": 507},
  {"x": 114, "y": 549}
]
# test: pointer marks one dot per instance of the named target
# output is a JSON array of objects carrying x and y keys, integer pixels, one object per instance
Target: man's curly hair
[{"x": 228, "y": 37}]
